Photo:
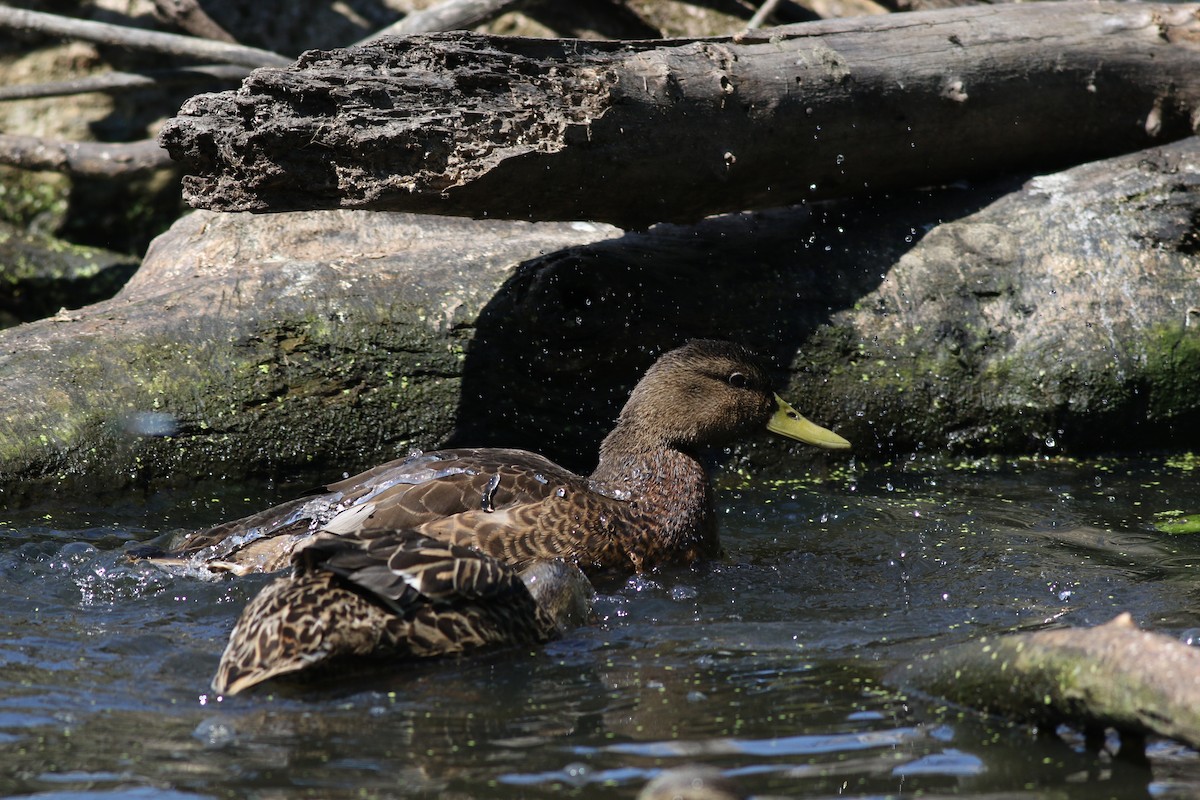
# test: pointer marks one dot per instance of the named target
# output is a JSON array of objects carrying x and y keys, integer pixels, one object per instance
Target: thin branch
[
  {"x": 115, "y": 82},
  {"x": 763, "y": 14},
  {"x": 123, "y": 36},
  {"x": 451, "y": 15},
  {"x": 188, "y": 15},
  {"x": 89, "y": 159}
]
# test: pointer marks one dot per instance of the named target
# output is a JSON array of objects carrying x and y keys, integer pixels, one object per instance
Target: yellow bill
[{"x": 787, "y": 421}]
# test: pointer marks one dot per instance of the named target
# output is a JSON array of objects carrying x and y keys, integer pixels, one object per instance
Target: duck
[
  {"x": 647, "y": 503},
  {"x": 370, "y": 595}
]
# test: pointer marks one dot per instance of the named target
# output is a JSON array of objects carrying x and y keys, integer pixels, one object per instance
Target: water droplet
[
  {"x": 577, "y": 774},
  {"x": 215, "y": 733},
  {"x": 683, "y": 593}
]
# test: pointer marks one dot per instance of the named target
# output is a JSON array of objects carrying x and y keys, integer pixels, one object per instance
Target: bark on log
[
  {"x": 1110, "y": 676},
  {"x": 640, "y": 132}
]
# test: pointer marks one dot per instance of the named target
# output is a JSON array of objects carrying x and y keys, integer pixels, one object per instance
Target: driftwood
[
  {"x": 635, "y": 133},
  {"x": 1111, "y": 676},
  {"x": 191, "y": 17},
  {"x": 128, "y": 159}
]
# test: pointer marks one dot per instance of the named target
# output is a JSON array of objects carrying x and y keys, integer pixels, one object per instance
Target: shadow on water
[{"x": 560, "y": 345}]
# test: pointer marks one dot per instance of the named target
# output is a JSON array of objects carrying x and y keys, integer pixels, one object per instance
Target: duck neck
[{"x": 667, "y": 488}]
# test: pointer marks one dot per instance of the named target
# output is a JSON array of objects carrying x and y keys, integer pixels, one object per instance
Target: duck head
[{"x": 710, "y": 392}]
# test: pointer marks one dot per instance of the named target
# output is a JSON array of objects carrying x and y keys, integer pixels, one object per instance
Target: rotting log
[
  {"x": 640, "y": 132},
  {"x": 1110, "y": 676}
]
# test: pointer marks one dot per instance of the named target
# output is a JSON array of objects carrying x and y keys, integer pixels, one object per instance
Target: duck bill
[{"x": 787, "y": 421}]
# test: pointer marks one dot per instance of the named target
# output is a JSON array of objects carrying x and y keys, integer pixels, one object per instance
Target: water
[{"x": 767, "y": 665}]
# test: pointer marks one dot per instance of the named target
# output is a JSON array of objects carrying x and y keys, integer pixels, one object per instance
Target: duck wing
[
  {"x": 421, "y": 492},
  {"x": 379, "y": 593}
]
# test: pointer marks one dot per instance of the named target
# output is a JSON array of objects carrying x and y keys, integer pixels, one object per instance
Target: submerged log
[
  {"x": 1111, "y": 676},
  {"x": 638, "y": 132}
]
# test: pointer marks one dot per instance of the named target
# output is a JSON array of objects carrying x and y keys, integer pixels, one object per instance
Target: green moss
[
  {"x": 1177, "y": 522},
  {"x": 1173, "y": 369},
  {"x": 26, "y": 197}
]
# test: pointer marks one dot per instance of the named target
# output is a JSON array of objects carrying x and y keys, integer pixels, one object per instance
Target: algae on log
[
  {"x": 640, "y": 132},
  {"x": 1110, "y": 676},
  {"x": 251, "y": 345},
  {"x": 40, "y": 274},
  {"x": 1063, "y": 317},
  {"x": 328, "y": 341}
]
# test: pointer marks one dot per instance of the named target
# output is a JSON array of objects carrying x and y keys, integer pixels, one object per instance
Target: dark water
[{"x": 767, "y": 666}]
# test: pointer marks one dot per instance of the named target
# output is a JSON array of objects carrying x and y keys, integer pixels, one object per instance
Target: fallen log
[
  {"x": 253, "y": 345},
  {"x": 639, "y": 132},
  {"x": 1111, "y": 676}
]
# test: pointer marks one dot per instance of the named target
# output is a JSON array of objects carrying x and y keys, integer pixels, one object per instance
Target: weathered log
[
  {"x": 327, "y": 341},
  {"x": 257, "y": 345},
  {"x": 1061, "y": 318},
  {"x": 1111, "y": 676},
  {"x": 639, "y": 132}
]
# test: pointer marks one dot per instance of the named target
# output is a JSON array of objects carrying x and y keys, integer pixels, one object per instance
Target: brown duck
[
  {"x": 648, "y": 502},
  {"x": 396, "y": 595}
]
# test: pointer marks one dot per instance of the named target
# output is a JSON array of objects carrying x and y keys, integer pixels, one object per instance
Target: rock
[
  {"x": 1110, "y": 676},
  {"x": 40, "y": 275}
]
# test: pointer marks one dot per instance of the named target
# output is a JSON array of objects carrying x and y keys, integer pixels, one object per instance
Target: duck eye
[{"x": 739, "y": 380}]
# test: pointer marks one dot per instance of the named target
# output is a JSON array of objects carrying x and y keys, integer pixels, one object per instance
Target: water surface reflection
[{"x": 766, "y": 665}]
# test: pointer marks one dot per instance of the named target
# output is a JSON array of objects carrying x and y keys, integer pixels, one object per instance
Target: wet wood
[
  {"x": 639, "y": 132},
  {"x": 1111, "y": 676}
]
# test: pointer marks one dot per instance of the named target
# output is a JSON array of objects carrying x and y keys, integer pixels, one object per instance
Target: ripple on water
[{"x": 766, "y": 664}]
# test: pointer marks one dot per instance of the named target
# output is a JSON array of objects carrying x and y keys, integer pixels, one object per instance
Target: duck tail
[{"x": 293, "y": 624}]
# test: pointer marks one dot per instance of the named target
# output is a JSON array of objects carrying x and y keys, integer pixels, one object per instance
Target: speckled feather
[
  {"x": 396, "y": 594},
  {"x": 647, "y": 503}
]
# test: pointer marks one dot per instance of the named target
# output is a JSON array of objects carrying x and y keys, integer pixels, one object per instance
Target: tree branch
[
  {"x": 133, "y": 38},
  {"x": 451, "y": 15},
  {"x": 114, "y": 82},
  {"x": 191, "y": 17},
  {"x": 92, "y": 159}
]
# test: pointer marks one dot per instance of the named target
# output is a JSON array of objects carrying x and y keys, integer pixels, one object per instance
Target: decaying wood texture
[
  {"x": 639, "y": 132},
  {"x": 1110, "y": 676}
]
